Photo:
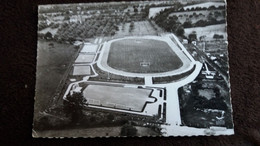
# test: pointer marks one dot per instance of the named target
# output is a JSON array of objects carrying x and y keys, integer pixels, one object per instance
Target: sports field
[
  {"x": 142, "y": 56},
  {"x": 81, "y": 70},
  {"x": 84, "y": 58},
  {"x": 117, "y": 97}
]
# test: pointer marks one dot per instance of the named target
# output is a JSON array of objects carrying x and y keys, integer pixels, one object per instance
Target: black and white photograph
[{"x": 139, "y": 68}]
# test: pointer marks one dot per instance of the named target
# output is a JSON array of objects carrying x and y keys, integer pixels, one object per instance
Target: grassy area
[
  {"x": 140, "y": 28},
  {"x": 208, "y": 31},
  {"x": 154, "y": 11},
  {"x": 195, "y": 16},
  {"x": 168, "y": 79},
  {"x": 53, "y": 31},
  {"x": 157, "y": 55},
  {"x": 89, "y": 132},
  {"x": 117, "y": 97},
  {"x": 206, "y": 5},
  {"x": 52, "y": 63},
  {"x": 94, "y": 132},
  {"x": 109, "y": 77}
]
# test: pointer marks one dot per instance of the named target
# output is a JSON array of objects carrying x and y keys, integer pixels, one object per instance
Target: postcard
[{"x": 141, "y": 68}]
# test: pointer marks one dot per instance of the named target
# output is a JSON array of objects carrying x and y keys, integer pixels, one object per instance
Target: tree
[
  {"x": 66, "y": 17},
  {"x": 187, "y": 24},
  {"x": 216, "y": 36},
  {"x": 180, "y": 31},
  {"x": 217, "y": 92},
  {"x": 200, "y": 23},
  {"x": 73, "y": 106},
  {"x": 212, "y": 8},
  {"x": 135, "y": 10},
  {"x": 131, "y": 26},
  {"x": 128, "y": 130},
  {"x": 110, "y": 117},
  {"x": 193, "y": 36},
  {"x": 48, "y": 35}
]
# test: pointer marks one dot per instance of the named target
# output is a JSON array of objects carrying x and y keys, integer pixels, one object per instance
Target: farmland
[
  {"x": 140, "y": 28},
  {"x": 205, "y": 5},
  {"x": 156, "y": 54},
  {"x": 195, "y": 16},
  {"x": 208, "y": 31}
]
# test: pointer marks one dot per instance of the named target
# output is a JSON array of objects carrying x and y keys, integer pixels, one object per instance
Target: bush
[
  {"x": 48, "y": 35},
  {"x": 128, "y": 130},
  {"x": 216, "y": 36},
  {"x": 187, "y": 24},
  {"x": 180, "y": 31},
  {"x": 50, "y": 122}
]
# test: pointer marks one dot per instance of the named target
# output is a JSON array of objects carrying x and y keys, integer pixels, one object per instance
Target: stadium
[
  {"x": 157, "y": 60},
  {"x": 140, "y": 56}
]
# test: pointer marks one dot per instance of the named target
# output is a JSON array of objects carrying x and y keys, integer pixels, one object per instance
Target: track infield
[{"x": 142, "y": 56}]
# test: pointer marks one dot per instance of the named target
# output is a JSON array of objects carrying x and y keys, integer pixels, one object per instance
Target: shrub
[{"x": 128, "y": 130}]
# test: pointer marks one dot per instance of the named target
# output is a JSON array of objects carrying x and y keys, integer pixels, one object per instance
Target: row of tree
[
  {"x": 202, "y": 8},
  {"x": 170, "y": 24},
  {"x": 87, "y": 29},
  {"x": 203, "y": 23}
]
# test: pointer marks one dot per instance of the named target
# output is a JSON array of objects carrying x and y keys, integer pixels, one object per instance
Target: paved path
[{"x": 148, "y": 81}]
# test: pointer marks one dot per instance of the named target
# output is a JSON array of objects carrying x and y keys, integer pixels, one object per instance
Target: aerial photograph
[{"x": 139, "y": 68}]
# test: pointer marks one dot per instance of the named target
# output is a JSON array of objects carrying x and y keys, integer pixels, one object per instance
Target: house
[{"x": 184, "y": 41}]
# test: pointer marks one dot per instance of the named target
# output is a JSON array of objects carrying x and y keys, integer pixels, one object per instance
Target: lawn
[
  {"x": 52, "y": 63},
  {"x": 207, "y": 93},
  {"x": 117, "y": 97},
  {"x": 142, "y": 56}
]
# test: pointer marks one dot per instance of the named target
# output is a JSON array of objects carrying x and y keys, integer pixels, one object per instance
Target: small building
[
  {"x": 184, "y": 41},
  {"x": 194, "y": 43}
]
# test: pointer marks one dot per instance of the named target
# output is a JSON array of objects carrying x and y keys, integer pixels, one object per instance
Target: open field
[
  {"x": 154, "y": 11},
  {"x": 53, "y": 31},
  {"x": 208, "y": 31},
  {"x": 104, "y": 76},
  {"x": 199, "y": 15},
  {"x": 142, "y": 56},
  {"x": 205, "y": 5},
  {"x": 117, "y": 97},
  {"x": 140, "y": 28},
  {"x": 52, "y": 64}
]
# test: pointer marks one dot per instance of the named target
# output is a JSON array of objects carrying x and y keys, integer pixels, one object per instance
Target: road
[{"x": 204, "y": 57}]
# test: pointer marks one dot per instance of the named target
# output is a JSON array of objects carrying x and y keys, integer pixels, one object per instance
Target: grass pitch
[
  {"x": 117, "y": 97},
  {"x": 142, "y": 56}
]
